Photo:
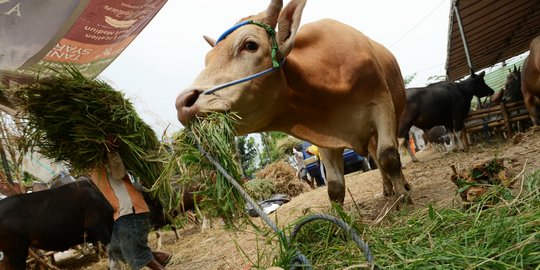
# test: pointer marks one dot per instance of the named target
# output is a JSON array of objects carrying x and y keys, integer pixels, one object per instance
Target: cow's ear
[
  {"x": 211, "y": 41},
  {"x": 288, "y": 24}
]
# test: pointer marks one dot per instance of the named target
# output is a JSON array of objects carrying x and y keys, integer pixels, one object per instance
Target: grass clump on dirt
[
  {"x": 260, "y": 189},
  {"x": 284, "y": 176},
  {"x": 482, "y": 181},
  {"x": 501, "y": 236}
]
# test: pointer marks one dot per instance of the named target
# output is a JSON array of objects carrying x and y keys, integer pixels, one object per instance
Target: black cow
[
  {"x": 442, "y": 103},
  {"x": 55, "y": 219},
  {"x": 60, "y": 218}
]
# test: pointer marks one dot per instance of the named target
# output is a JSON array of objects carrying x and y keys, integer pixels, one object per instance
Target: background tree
[
  {"x": 408, "y": 79},
  {"x": 270, "y": 152},
  {"x": 247, "y": 151}
]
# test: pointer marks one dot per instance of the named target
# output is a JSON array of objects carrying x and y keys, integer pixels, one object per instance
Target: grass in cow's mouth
[
  {"x": 502, "y": 236},
  {"x": 215, "y": 134},
  {"x": 68, "y": 117}
]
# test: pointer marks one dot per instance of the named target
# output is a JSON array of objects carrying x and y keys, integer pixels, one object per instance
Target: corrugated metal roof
[
  {"x": 496, "y": 77},
  {"x": 495, "y": 30}
]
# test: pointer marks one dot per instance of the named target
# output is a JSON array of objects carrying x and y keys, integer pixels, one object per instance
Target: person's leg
[
  {"x": 323, "y": 173},
  {"x": 133, "y": 234},
  {"x": 114, "y": 250}
]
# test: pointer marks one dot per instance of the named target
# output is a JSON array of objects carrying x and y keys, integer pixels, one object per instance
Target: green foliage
[
  {"x": 260, "y": 189},
  {"x": 502, "y": 237},
  {"x": 506, "y": 236},
  {"x": 326, "y": 245},
  {"x": 70, "y": 118},
  {"x": 215, "y": 135},
  {"x": 408, "y": 79},
  {"x": 247, "y": 152},
  {"x": 285, "y": 145},
  {"x": 271, "y": 152}
]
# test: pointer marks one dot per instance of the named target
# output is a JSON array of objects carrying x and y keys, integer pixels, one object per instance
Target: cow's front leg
[{"x": 333, "y": 163}]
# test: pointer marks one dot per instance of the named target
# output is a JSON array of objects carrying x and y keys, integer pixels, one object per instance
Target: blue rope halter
[{"x": 274, "y": 52}]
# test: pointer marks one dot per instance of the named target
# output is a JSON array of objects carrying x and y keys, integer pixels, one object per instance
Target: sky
[{"x": 169, "y": 53}]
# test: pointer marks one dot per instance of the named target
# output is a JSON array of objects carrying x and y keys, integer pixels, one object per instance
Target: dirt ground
[{"x": 217, "y": 248}]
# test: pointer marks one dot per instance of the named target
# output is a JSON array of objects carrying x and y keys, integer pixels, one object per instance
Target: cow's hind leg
[
  {"x": 387, "y": 152},
  {"x": 333, "y": 163},
  {"x": 530, "y": 104},
  {"x": 455, "y": 136},
  {"x": 388, "y": 189}
]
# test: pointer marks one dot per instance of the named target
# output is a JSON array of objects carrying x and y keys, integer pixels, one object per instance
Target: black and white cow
[{"x": 442, "y": 103}]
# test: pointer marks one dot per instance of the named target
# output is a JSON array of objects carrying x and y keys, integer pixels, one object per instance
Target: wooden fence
[{"x": 503, "y": 119}]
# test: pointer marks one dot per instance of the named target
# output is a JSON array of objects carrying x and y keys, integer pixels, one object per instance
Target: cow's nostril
[
  {"x": 187, "y": 99},
  {"x": 185, "y": 105},
  {"x": 192, "y": 98}
]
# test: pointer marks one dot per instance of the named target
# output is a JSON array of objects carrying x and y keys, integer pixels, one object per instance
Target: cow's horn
[
  {"x": 210, "y": 40},
  {"x": 272, "y": 12}
]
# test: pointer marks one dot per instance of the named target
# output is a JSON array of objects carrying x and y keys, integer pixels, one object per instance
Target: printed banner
[{"x": 36, "y": 36}]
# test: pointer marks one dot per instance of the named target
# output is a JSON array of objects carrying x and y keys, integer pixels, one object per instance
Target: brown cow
[
  {"x": 337, "y": 89},
  {"x": 530, "y": 81}
]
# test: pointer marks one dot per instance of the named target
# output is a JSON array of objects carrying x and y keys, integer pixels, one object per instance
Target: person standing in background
[
  {"x": 314, "y": 150},
  {"x": 301, "y": 167}
]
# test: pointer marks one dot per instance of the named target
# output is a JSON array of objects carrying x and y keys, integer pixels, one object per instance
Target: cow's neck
[
  {"x": 306, "y": 108},
  {"x": 466, "y": 89}
]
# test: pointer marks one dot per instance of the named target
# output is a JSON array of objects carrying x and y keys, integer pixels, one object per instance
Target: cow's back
[
  {"x": 433, "y": 105},
  {"x": 338, "y": 58}
]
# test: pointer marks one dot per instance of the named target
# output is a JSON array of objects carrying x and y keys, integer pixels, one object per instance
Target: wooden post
[
  {"x": 40, "y": 260},
  {"x": 464, "y": 138},
  {"x": 507, "y": 122}
]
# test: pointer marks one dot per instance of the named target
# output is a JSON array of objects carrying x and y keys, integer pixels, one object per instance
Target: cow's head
[
  {"x": 239, "y": 53},
  {"x": 479, "y": 86},
  {"x": 512, "y": 86}
]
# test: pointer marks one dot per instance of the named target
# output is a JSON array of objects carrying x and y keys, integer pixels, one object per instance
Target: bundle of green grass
[
  {"x": 70, "y": 118},
  {"x": 212, "y": 135}
]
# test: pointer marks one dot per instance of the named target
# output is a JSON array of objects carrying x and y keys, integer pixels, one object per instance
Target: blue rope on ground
[
  {"x": 340, "y": 223},
  {"x": 300, "y": 261}
]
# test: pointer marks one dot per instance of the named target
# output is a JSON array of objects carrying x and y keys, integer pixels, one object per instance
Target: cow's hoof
[
  {"x": 408, "y": 187},
  {"x": 408, "y": 200},
  {"x": 399, "y": 202},
  {"x": 387, "y": 193}
]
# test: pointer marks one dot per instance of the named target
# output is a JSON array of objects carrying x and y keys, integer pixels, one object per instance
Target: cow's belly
[{"x": 59, "y": 239}]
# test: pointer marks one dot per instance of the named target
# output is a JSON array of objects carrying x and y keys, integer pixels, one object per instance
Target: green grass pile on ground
[{"x": 485, "y": 236}]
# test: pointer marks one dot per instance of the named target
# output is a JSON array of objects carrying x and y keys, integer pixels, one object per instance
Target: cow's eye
[{"x": 251, "y": 46}]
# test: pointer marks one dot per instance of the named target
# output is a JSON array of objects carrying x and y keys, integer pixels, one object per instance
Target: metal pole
[
  {"x": 465, "y": 46},
  {"x": 463, "y": 38}
]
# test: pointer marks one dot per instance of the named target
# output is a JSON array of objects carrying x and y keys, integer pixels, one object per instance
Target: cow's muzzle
[{"x": 186, "y": 107}]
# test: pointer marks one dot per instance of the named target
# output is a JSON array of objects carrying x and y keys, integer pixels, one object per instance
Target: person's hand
[
  {"x": 112, "y": 143},
  {"x": 117, "y": 169}
]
